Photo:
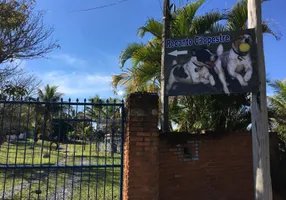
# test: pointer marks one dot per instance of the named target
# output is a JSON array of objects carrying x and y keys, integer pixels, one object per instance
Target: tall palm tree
[{"x": 48, "y": 95}]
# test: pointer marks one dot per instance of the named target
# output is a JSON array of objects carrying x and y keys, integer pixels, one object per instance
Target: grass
[{"x": 41, "y": 183}]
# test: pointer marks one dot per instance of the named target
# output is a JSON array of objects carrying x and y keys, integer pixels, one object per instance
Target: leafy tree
[
  {"x": 277, "y": 105},
  {"x": 16, "y": 83},
  {"x": 277, "y": 115},
  {"x": 23, "y": 35},
  {"x": 61, "y": 128},
  {"x": 48, "y": 95},
  {"x": 108, "y": 117}
]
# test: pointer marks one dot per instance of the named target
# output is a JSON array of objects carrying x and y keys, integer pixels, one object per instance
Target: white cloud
[
  {"x": 69, "y": 59},
  {"x": 78, "y": 84}
]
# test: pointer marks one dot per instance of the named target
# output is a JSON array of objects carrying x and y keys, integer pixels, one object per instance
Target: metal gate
[{"x": 61, "y": 150}]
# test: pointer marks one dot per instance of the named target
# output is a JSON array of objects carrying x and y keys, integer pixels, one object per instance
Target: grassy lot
[{"x": 62, "y": 183}]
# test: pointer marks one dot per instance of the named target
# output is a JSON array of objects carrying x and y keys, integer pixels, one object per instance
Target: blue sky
[{"x": 91, "y": 41}]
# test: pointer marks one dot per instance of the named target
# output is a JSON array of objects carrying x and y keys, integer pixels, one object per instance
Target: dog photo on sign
[
  {"x": 219, "y": 68},
  {"x": 194, "y": 71}
]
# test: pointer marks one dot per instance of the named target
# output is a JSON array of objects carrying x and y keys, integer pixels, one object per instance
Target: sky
[{"x": 92, "y": 41}]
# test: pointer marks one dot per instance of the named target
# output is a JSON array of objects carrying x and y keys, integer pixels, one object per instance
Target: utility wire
[{"x": 99, "y": 7}]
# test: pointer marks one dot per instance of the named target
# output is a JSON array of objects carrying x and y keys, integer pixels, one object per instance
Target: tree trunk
[{"x": 260, "y": 134}]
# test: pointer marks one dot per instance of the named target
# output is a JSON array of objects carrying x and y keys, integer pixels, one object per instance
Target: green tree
[
  {"x": 277, "y": 105},
  {"x": 23, "y": 34},
  {"x": 107, "y": 115},
  {"x": 48, "y": 95}
]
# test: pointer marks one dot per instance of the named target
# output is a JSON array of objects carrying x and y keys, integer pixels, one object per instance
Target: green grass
[{"x": 86, "y": 183}]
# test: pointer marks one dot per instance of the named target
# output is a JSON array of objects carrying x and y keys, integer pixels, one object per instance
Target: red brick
[
  {"x": 140, "y": 153},
  {"x": 143, "y": 134},
  {"x": 142, "y": 144},
  {"x": 138, "y": 139},
  {"x": 147, "y": 139}
]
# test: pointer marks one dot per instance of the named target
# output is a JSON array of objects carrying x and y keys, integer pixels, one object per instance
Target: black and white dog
[
  {"x": 235, "y": 62},
  {"x": 194, "y": 71}
]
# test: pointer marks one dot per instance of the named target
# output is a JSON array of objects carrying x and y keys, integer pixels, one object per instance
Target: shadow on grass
[
  {"x": 88, "y": 174},
  {"x": 93, "y": 179},
  {"x": 99, "y": 157}
]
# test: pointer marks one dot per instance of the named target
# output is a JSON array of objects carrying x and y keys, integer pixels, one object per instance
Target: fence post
[{"x": 141, "y": 164}]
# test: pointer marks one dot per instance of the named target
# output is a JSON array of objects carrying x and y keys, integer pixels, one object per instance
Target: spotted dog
[
  {"x": 194, "y": 71},
  {"x": 235, "y": 62}
]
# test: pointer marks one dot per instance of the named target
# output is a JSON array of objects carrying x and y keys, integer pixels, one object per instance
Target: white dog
[
  {"x": 194, "y": 71},
  {"x": 235, "y": 61}
]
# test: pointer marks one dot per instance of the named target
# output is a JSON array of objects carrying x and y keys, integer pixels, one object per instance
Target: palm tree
[
  {"x": 107, "y": 117},
  {"x": 237, "y": 20},
  {"x": 48, "y": 95},
  {"x": 277, "y": 104}
]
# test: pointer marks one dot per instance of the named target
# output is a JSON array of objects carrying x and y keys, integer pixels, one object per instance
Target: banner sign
[{"x": 220, "y": 63}]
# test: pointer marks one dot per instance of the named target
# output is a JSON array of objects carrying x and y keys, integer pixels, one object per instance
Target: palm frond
[
  {"x": 237, "y": 17},
  {"x": 266, "y": 29},
  {"x": 217, "y": 27},
  {"x": 128, "y": 52},
  {"x": 153, "y": 27},
  {"x": 204, "y": 23},
  {"x": 124, "y": 79},
  {"x": 184, "y": 16}
]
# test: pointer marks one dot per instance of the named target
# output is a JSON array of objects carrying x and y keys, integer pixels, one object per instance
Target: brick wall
[
  {"x": 141, "y": 164},
  {"x": 221, "y": 170},
  {"x": 180, "y": 166}
]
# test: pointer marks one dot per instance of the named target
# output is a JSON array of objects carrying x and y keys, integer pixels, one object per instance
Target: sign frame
[{"x": 180, "y": 72}]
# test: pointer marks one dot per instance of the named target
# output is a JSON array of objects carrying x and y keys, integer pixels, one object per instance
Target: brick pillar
[{"x": 141, "y": 164}]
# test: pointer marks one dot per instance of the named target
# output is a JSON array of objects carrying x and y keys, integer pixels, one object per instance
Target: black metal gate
[{"x": 61, "y": 150}]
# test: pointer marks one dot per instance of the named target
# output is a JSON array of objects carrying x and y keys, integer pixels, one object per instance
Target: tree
[
  {"x": 23, "y": 35},
  {"x": 277, "y": 114},
  {"x": 16, "y": 83},
  {"x": 277, "y": 105},
  {"x": 108, "y": 117},
  {"x": 49, "y": 95}
]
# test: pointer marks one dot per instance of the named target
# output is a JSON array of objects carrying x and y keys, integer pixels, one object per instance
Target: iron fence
[{"x": 61, "y": 150}]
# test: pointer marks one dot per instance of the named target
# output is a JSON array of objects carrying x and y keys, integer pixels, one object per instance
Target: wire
[{"x": 99, "y": 7}]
